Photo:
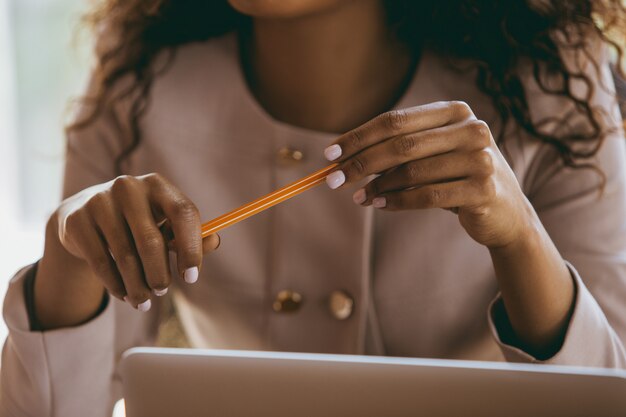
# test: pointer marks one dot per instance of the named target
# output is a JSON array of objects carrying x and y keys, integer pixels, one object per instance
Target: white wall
[
  {"x": 8, "y": 165},
  {"x": 41, "y": 68}
]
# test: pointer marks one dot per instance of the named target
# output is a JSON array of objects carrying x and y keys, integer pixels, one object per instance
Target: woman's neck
[{"x": 328, "y": 72}]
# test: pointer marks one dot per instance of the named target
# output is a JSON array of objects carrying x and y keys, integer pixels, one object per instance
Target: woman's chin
[{"x": 283, "y": 8}]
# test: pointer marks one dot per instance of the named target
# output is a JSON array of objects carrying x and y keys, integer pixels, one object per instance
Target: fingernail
[
  {"x": 359, "y": 196},
  {"x": 160, "y": 293},
  {"x": 332, "y": 152},
  {"x": 335, "y": 179},
  {"x": 219, "y": 241},
  {"x": 191, "y": 275},
  {"x": 379, "y": 202},
  {"x": 145, "y": 306}
]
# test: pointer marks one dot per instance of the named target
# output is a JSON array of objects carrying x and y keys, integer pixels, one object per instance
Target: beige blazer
[{"x": 318, "y": 273}]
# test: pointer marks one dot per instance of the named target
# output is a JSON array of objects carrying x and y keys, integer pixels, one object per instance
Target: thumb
[{"x": 211, "y": 243}]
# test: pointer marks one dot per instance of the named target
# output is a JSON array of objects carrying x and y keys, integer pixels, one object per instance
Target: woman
[{"x": 501, "y": 113}]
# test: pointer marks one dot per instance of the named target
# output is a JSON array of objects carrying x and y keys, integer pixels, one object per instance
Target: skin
[
  {"x": 319, "y": 72},
  {"x": 109, "y": 237},
  {"x": 440, "y": 156},
  {"x": 122, "y": 216},
  {"x": 323, "y": 65}
]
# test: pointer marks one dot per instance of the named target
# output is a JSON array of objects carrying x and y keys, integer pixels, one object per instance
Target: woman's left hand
[{"x": 435, "y": 155}]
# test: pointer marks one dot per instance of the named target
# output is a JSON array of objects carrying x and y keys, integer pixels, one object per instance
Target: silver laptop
[{"x": 222, "y": 383}]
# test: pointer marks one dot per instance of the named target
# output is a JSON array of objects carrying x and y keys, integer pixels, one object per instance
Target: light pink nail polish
[
  {"x": 335, "y": 179},
  {"x": 379, "y": 202},
  {"x": 160, "y": 293},
  {"x": 332, "y": 152},
  {"x": 145, "y": 306},
  {"x": 191, "y": 275},
  {"x": 359, "y": 196}
]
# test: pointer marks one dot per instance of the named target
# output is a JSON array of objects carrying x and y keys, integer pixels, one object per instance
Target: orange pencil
[{"x": 266, "y": 201}]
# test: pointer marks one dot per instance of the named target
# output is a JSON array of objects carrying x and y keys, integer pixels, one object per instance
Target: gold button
[
  {"x": 341, "y": 304},
  {"x": 289, "y": 156},
  {"x": 287, "y": 301}
]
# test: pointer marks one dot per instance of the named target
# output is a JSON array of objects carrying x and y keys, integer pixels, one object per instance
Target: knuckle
[
  {"x": 97, "y": 202},
  {"x": 433, "y": 197},
  {"x": 413, "y": 171},
  {"x": 355, "y": 140},
  {"x": 122, "y": 185},
  {"x": 461, "y": 109},
  {"x": 184, "y": 208},
  {"x": 484, "y": 159},
  {"x": 74, "y": 227},
  {"x": 395, "y": 120},
  {"x": 73, "y": 223},
  {"x": 404, "y": 145},
  {"x": 480, "y": 129},
  {"x": 358, "y": 166},
  {"x": 151, "y": 243},
  {"x": 122, "y": 181},
  {"x": 153, "y": 178},
  {"x": 126, "y": 259}
]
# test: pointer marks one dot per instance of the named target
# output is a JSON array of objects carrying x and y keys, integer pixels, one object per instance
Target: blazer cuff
[
  {"x": 41, "y": 369},
  {"x": 589, "y": 339}
]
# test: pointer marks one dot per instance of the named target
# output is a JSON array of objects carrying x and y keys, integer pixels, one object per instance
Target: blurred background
[{"x": 44, "y": 61}]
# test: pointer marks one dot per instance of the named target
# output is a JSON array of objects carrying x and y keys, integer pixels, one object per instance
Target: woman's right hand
[{"x": 121, "y": 231}]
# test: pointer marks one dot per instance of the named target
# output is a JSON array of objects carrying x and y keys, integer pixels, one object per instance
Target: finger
[
  {"x": 397, "y": 123},
  {"x": 148, "y": 238},
  {"x": 185, "y": 222},
  {"x": 441, "y": 168},
  {"x": 166, "y": 230},
  {"x": 119, "y": 241},
  {"x": 465, "y": 136},
  {"x": 81, "y": 230},
  {"x": 211, "y": 243},
  {"x": 463, "y": 193}
]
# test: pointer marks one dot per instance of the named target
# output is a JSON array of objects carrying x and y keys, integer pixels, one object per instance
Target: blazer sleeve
[
  {"x": 71, "y": 371},
  {"x": 584, "y": 212}
]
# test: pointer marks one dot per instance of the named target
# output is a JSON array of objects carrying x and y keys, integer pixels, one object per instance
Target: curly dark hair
[{"x": 495, "y": 36}]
